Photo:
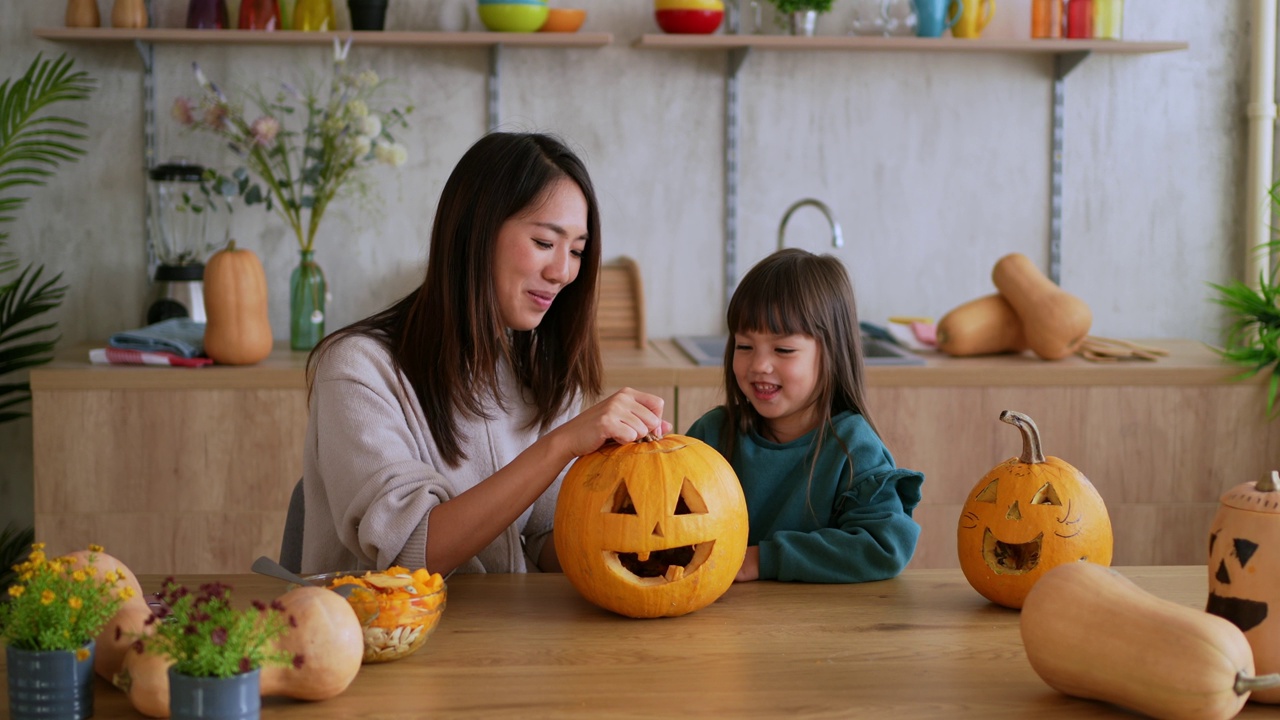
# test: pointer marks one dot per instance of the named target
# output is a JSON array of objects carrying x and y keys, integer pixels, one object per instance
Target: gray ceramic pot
[
  {"x": 49, "y": 684},
  {"x": 202, "y": 698}
]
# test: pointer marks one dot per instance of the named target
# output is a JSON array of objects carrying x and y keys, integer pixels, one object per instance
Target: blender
[{"x": 180, "y": 210}]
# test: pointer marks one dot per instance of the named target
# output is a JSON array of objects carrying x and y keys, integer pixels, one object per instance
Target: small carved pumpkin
[
  {"x": 1243, "y": 565},
  {"x": 652, "y": 528},
  {"x": 1026, "y": 516}
]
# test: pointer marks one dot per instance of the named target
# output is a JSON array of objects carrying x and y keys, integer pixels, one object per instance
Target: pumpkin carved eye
[
  {"x": 1046, "y": 495},
  {"x": 988, "y": 493}
]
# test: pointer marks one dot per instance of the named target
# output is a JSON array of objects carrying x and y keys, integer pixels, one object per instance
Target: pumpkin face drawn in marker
[
  {"x": 1243, "y": 564},
  {"x": 1026, "y": 516}
]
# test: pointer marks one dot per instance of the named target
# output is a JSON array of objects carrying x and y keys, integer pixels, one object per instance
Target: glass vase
[
  {"x": 212, "y": 698},
  {"x": 49, "y": 684},
  {"x": 306, "y": 303}
]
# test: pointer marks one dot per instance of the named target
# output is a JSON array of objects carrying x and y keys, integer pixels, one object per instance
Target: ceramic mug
[
  {"x": 933, "y": 17},
  {"x": 973, "y": 18}
]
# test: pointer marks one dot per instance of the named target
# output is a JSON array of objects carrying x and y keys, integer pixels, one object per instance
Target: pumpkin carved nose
[
  {"x": 657, "y": 531},
  {"x": 1014, "y": 513}
]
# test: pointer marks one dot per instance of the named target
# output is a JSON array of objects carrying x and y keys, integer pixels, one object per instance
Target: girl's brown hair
[
  {"x": 447, "y": 336},
  {"x": 791, "y": 292}
]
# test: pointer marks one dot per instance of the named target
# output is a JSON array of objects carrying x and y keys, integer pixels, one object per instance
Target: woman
[{"x": 439, "y": 427}]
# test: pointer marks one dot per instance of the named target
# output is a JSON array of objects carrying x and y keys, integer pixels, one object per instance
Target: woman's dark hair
[
  {"x": 447, "y": 336},
  {"x": 791, "y": 292}
]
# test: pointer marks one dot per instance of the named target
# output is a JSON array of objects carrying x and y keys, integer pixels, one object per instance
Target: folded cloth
[
  {"x": 118, "y": 356},
  {"x": 181, "y": 336}
]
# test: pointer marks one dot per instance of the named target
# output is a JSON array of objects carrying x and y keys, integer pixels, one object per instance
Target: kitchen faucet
[{"x": 837, "y": 237}]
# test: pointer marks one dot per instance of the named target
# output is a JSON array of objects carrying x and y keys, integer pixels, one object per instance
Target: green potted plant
[
  {"x": 32, "y": 145},
  {"x": 52, "y": 612},
  {"x": 1253, "y": 337},
  {"x": 217, "y": 649},
  {"x": 802, "y": 15}
]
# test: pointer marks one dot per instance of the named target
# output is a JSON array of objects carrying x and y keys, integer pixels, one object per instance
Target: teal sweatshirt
[{"x": 837, "y": 531}]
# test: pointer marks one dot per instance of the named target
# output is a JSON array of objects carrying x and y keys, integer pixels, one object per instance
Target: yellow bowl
[
  {"x": 688, "y": 5},
  {"x": 564, "y": 20},
  {"x": 397, "y": 620}
]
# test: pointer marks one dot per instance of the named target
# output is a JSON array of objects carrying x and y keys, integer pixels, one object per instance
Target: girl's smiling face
[
  {"x": 538, "y": 252},
  {"x": 779, "y": 376}
]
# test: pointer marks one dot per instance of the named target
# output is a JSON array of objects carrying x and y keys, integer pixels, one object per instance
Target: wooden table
[{"x": 924, "y": 645}]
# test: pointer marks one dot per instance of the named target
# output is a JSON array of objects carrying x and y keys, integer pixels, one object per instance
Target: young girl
[{"x": 825, "y": 500}]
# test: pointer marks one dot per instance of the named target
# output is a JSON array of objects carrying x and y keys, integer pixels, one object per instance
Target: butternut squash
[
  {"x": 237, "y": 330},
  {"x": 983, "y": 326},
  {"x": 144, "y": 678},
  {"x": 328, "y": 639},
  {"x": 117, "y": 637},
  {"x": 1093, "y": 633},
  {"x": 1055, "y": 321}
]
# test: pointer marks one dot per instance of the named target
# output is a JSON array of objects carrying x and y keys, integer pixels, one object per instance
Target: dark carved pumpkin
[
  {"x": 652, "y": 528},
  {"x": 1243, "y": 566},
  {"x": 1026, "y": 516}
]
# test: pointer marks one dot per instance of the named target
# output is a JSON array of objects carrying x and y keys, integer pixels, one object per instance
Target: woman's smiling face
[
  {"x": 779, "y": 376},
  {"x": 538, "y": 252}
]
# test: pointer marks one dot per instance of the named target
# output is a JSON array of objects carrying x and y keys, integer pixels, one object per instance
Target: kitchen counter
[
  {"x": 922, "y": 645},
  {"x": 191, "y": 469}
]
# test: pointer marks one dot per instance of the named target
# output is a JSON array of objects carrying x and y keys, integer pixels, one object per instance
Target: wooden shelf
[
  {"x": 363, "y": 38},
  {"x": 914, "y": 44}
]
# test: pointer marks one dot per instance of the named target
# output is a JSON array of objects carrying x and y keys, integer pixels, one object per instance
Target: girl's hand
[
  {"x": 625, "y": 416},
  {"x": 750, "y": 569}
]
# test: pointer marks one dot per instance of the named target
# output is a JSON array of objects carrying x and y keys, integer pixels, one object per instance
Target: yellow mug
[{"x": 974, "y": 16}]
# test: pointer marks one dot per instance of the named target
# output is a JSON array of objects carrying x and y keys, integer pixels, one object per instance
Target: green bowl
[{"x": 510, "y": 17}]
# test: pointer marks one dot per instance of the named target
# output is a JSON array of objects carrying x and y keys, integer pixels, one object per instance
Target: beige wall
[{"x": 936, "y": 164}]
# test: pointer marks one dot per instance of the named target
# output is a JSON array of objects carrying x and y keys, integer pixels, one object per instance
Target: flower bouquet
[
  {"x": 52, "y": 612},
  {"x": 54, "y": 605},
  {"x": 206, "y": 636},
  {"x": 305, "y": 149},
  {"x": 216, "y": 649}
]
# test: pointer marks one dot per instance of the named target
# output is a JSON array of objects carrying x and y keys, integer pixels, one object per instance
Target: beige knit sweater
[{"x": 372, "y": 473}]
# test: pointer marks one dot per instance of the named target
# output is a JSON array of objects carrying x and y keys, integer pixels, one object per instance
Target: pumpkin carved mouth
[
  {"x": 1010, "y": 558},
  {"x": 662, "y": 566},
  {"x": 1245, "y": 614}
]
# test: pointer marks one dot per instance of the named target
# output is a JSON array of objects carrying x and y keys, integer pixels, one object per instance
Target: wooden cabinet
[{"x": 190, "y": 469}]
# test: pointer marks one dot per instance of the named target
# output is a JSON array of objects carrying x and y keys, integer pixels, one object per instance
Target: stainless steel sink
[{"x": 709, "y": 350}]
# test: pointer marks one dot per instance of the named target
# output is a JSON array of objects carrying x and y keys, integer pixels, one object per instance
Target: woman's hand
[
  {"x": 750, "y": 569},
  {"x": 625, "y": 416}
]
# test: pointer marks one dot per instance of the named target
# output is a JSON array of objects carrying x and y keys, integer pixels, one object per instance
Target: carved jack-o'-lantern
[
  {"x": 652, "y": 528},
  {"x": 1027, "y": 516},
  {"x": 1244, "y": 563}
]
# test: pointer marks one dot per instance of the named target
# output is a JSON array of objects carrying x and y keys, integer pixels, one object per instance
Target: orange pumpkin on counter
[
  {"x": 651, "y": 528},
  {"x": 237, "y": 330},
  {"x": 1028, "y": 515}
]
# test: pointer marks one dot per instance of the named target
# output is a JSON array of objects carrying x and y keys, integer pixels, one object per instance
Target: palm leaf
[
  {"x": 33, "y": 145},
  {"x": 20, "y": 301},
  {"x": 15, "y": 545}
]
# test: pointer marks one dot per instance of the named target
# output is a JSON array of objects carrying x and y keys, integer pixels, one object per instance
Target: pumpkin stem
[
  {"x": 649, "y": 438},
  {"x": 1031, "y": 452},
  {"x": 231, "y": 245},
  {"x": 1249, "y": 683},
  {"x": 1269, "y": 483}
]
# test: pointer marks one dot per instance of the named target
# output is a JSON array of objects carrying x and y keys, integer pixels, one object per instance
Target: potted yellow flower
[
  {"x": 341, "y": 132},
  {"x": 53, "y": 611},
  {"x": 217, "y": 650}
]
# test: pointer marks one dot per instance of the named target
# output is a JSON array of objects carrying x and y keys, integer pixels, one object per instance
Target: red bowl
[{"x": 691, "y": 22}]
